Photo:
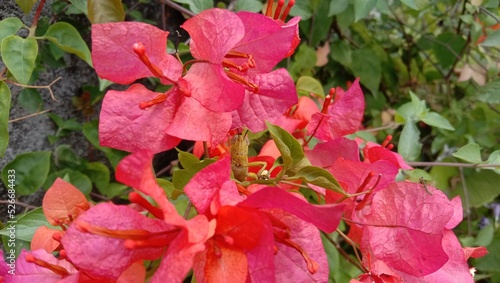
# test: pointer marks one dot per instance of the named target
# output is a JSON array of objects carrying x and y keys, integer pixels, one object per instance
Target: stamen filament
[
  {"x": 137, "y": 198},
  {"x": 365, "y": 182},
  {"x": 140, "y": 51},
  {"x": 158, "y": 99},
  {"x": 386, "y": 142},
  {"x": 287, "y": 10},
  {"x": 239, "y": 79},
  {"x": 312, "y": 266},
  {"x": 277, "y": 12},
  {"x": 135, "y": 234},
  {"x": 269, "y": 10},
  {"x": 59, "y": 270}
]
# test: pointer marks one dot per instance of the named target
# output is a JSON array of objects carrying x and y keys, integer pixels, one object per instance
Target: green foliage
[
  {"x": 66, "y": 37},
  {"x": 103, "y": 11},
  {"x": 19, "y": 55},
  {"x": 318, "y": 177},
  {"x": 191, "y": 165},
  {"x": 31, "y": 170},
  {"x": 5, "y": 97}
]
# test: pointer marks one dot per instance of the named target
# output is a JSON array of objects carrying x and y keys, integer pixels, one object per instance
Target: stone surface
[{"x": 30, "y": 134}]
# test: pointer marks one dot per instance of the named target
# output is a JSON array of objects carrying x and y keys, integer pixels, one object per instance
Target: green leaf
[
  {"x": 447, "y": 46},
  {"x": 436, "y": 120},
  {"x": 19, "y": 55},
  {"x": 9, "y": 26},
  {"x": 321, "y": 24},
  {"x": 342, "y": 53},
  {"x": 418, "y": 105},
  {"x": 337, "y": 7},
  {"x": 319, "y": 177},
  {"x": 26, "y": 5},
  {"x": 103, "y": 11},
  {"x": 367, "y": 66},
  {"x": 91, "y": 132},
  {"x": 302, "y": 8},
  {"x": 494, "y": 158},
  {"x": 362, "y": 8},
  {"x": 27, "y": 224},
  {"x": 485, "y": 236},
  {"x": 196, "y": 6},
  {"x": 64, "y": 156},
  {"x": 248, "y": 5},
  {"x": 187, "y": 159},
  {"x": 5, "y": 97},
  {"x": 182, "y": 176},
  {"x": 78, "y": 179},
  {"x": 30, "y": 100},
  {"x": 482, "y": 186},
  {"x": 304, "y": 61},
  {"x": 409, "y": 145},
  {"x": 492, "y": 40},
  {"x": 113, "y": 190},
  {"x": 80, "y": 5},
  {"x": 30, "y": 171},
  {"x": 490, "y": 262},
  {"x": 291, "y": 151},
  {"x": 66, "y": 37},
  {"x": 307, "y": 85},
  {"x": 470, "y": 153},
  {"x": 98, "y": 173},
  {"x": 490, "y": 92},
  {"x": 410, "y": 3}
]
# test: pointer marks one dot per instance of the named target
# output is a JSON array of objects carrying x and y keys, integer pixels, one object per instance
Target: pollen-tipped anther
[
  {"x": 137, "y": 198},
  {"x": 239, "y": 79}
]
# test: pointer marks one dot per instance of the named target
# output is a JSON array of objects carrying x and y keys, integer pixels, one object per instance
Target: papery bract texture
[
  {"x": 404, "y": 228},
  {"x": 113, "y": 54},
  {"x": 123, "y": 125},
  {"x": 344, "y": 115}
]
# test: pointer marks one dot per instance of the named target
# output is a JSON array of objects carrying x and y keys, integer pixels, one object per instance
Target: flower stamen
[
  {"x": 59, "y": 270},
  {"x": 239, "y": 79}
]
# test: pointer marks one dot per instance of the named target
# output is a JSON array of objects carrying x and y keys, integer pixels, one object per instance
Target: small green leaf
[
  {"x": 248, "y": 5},
  {"x": 182, "y": 176},
  {"x": 482, "y": 186},
  {"x": 318, "y": 177},
  {"x": 485, "y": 236},
  {"x": 494, "y": 158},
  {"x": 5, "y": 97},
  {"x": 304, "y": 61},
  {"x": 187, "y": 159},
  {"x": 19, "y": 55},
  {"x": 30, "y": 171},
  {"x": 291, "y": 151},
  {"x": 342, "y": 53},
  {"x": 30, "y": 100},
  {"x": 337, "y": 7},
  {"x": 104, "y": 11},
  {"x": 66, "y": 37},
  {"x": 303, "y": 9},
  {"x": 80, "y": 5},
  {"x": 307, "y": 85},
  {"x": 9, "y": 26},
  {"x": 78, "y": 179},
  {"x": 436, "y": 120},
  {"x": 65, "y": 156},
  {"x": 27, "y": 224},
  {"x": 447, "y": 46},
  {"x": 113, "y": 190},
  {"x": 98, "y": 173},
  {"x": 362, "y": 8},
  {"x": 367, "y": 66},
  {"x": 91, "y": 133},
  {"x": 410, "y": 3},
  {"x": 492, "y": 40},
  {"x": 490, "y": 92},
  {"x": 409, "y": 145},
  {"x": 26, "y": 5},
  {"x": 470, "y": 153},
  {"x": 196, "y": 6},
  {"x": 418, "y": 105}
]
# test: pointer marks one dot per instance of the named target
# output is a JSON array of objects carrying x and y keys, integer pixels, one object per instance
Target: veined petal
[
  {"x": 123, "y": 125},
  {"x": 214, "y": 33},
  {"x": 113, "y": 54}
]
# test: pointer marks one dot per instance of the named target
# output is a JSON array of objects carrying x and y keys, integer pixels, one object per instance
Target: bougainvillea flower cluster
[
  {"x": 265, "y": 227},
  {"x": 230, "y": 84}
]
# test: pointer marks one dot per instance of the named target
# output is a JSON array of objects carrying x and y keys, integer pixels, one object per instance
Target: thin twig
[
  {"x": 452, "y": 164},
  {"x": 29, "y": 206},
  {"x": 29, "y": 116},
  {"x": 38, "y": 87},
  {"x": 392, "y": 126},
  {"x": 177, "y": 7},
  {"x": 466, "y": 200},
  {"x": 344, "y": 253}
]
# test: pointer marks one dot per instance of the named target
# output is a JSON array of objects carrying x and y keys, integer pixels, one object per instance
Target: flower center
[{"x": 230, "y": 65}]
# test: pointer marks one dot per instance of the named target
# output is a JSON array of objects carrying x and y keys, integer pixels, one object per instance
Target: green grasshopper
[{"x": 239, "y": 159}]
